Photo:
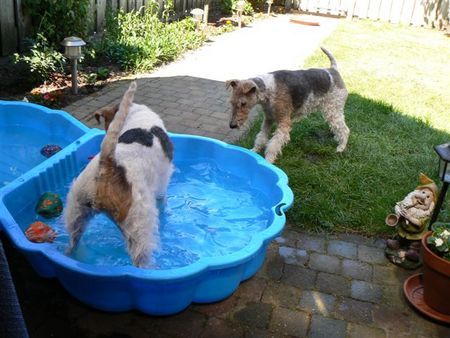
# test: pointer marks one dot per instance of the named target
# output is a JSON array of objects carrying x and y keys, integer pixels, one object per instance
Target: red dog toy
[{"x": 40, "y": 232}]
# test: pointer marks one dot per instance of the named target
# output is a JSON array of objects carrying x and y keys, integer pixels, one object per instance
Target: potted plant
[{"x": 436, "y": 268}]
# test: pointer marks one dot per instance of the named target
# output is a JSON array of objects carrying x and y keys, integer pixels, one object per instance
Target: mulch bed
[{"x": 54, "y": 93}]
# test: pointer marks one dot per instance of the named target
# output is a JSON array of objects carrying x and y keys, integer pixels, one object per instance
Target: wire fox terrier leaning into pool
[
  {"x": 286, "y": 95},
  {"x": 124, "y": 180}
]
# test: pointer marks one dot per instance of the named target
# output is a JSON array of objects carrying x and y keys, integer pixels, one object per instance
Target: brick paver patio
[{"x": 311, "y": 285}]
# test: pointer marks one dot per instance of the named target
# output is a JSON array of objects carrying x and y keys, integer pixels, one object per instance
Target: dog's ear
[
  {"x": 249, "y": 87},
  {"x": 231, "y": 83},
  {"x": 107, "y": 113}
]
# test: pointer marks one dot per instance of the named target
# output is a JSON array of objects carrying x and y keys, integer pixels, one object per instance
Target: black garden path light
[
  {"x": 72, "y": 47},
  {"x": 443, "y": 151}
]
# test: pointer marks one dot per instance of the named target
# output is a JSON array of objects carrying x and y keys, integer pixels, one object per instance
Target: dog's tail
[
  {"x": 330, "y": 56},
  {"x": 112, "y": 136}
]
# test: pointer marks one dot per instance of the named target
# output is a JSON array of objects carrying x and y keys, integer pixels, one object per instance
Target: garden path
[{"x": 310, "y": 285}]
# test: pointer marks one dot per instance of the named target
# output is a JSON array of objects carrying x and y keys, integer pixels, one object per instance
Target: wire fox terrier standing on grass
[
  {"x": 132, "y": 170},
  {"x": 286, "y": 95}
]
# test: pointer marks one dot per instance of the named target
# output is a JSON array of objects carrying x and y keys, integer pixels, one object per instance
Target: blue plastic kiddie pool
[{"x": 224, "y": 205}]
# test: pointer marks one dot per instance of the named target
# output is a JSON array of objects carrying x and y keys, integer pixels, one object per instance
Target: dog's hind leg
[
  {"x": 163, "y": 181},
  {"x": 76, "y": 218},
  {"x": 140, "y": 229},
  {"x": 263, "y": 136},
  {"x": 278, "y": 140},
  {"x": 336, "y": 121}
]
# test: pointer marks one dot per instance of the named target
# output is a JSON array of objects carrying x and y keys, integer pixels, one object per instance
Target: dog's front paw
[
  {"x": 69, "y": 250},
  {"x": 340, "y": 148},
  {"x": 255, "y": 150},
  {"x": 270, "y": 157}
]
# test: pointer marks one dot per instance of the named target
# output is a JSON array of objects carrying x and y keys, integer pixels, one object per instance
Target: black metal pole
[{"x": 437, "y": 208}]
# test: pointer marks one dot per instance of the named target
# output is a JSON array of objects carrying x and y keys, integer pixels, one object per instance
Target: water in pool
[
  {"x": 208, "y": 213},
  {"x": 20, "y": 149}
]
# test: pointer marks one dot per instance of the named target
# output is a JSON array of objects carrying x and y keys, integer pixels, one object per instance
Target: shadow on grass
[{"x": 354, "y": 191}]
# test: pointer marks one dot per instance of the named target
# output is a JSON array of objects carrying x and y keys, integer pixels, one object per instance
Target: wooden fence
[{"x": 429, "y": 13}]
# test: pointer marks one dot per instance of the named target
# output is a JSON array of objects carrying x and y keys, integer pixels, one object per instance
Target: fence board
[
  {"x": 395, "y": 11},
  {"x": 374, "y": 9},
  {"x": 113, "y": 4},
  {"x": 310, "y": 6},
  {"x": 322, "y": 6},
  {"x": 302, "y": 5},
  {"x": 100, "y": 14},
  {"x": 364, "y": 8},
  {"x": 407, "y": 11},
  {"x": 21, "y": 25},
  {"x": 334, "y": 7},
  {"x": 351, "y": 4},
  {"x": 123, "y": 4},
  {"x": 385, "y": 10},
  {"x": 418, "y": 14},
  {"x": 8, "y": 31}
]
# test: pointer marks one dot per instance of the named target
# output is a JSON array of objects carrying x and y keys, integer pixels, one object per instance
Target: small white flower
[
  {"x": 445, "y": 234},
  {"x": 438, "y": 242}
]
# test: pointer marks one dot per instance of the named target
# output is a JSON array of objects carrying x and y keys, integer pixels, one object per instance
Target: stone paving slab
[{"x": 293, "y": 303}]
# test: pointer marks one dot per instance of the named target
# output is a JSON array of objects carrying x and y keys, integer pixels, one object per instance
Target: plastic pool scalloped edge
[
  {"x": 46, "y": 110},
  {"x": 156, "y": 292}
]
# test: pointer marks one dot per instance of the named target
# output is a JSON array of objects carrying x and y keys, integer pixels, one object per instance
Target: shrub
[
  {"x": 230, "y": 6},
  {"x": 261, "y": 5},
  {"x": 57, "y": 19},
  {"x": 139, "y": 41},
  {"x": 42, "y": 60},
  {"x": 102, "y": 73}
]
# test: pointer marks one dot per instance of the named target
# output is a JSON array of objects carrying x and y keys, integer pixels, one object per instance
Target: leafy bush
[
  {"x": 102, "y": 73},
  {"x": 42, "y": 60},
  {"x": 57, "y": 19},
  {"x": 139, "y": 41},
  {"x": 230, "y": 6},
  {"x": 261, "y": 5}
]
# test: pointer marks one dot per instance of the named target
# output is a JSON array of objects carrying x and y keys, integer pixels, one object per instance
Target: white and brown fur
[
  {"x": 286, "y": 95},
  {"x": 132, "y": 170}
]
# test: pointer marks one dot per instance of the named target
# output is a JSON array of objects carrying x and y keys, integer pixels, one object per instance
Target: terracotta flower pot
[{"x": 436, "y": 279}]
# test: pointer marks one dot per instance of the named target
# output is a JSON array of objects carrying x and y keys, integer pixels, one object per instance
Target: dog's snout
[{"x": 233, "y": 125}]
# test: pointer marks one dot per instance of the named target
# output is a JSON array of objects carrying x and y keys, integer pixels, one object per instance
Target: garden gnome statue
[{"x": 411, "y": 217}]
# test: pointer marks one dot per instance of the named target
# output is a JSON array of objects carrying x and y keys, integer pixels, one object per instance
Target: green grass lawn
[{"x": 398, "y": 108}]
